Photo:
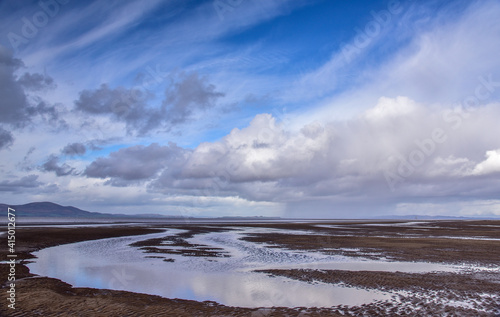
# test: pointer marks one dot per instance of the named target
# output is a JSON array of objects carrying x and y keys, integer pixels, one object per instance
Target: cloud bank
[{"x": 396, "y": 150}]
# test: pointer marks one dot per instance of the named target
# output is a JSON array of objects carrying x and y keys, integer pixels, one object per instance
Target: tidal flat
[{"x": 327, "y": 268}]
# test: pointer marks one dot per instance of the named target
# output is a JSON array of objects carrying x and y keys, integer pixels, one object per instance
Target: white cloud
[
  {"x": 391, "y": 108},
  {"x": 450, "y": 166},
  {"x": 490, "y": 165},
  {"x": 338, "y": 160}
]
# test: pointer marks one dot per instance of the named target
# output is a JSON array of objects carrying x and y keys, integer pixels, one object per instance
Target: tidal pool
[{"x": 113, "y": 264}]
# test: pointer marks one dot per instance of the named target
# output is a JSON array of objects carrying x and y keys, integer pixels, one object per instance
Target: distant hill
[{"x": 48, "y": 209}]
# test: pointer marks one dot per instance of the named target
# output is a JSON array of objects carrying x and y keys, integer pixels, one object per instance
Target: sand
[{"x": 473, "y": 293}]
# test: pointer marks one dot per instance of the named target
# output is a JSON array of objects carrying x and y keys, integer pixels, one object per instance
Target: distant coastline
[{"x": 53, "y": 210}]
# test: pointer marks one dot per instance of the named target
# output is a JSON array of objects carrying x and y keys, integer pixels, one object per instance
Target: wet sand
[{"x": 472, "y": 293}]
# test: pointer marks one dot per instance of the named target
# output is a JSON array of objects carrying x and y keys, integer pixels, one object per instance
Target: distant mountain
[{"x": 48, "y": 209}]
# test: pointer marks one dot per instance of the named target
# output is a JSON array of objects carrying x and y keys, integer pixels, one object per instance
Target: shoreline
[{"x": 51, "y": 297}]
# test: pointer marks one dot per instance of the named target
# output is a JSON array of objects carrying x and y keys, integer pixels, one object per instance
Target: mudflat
[{"x": 472, "y": 292}]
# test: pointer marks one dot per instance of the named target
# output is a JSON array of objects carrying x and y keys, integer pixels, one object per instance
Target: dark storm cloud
[
  {"x": 73, "y": 149},
  {"x": 136, "y": 163},
  {"x": 52, "y": 165},
  {"x": 23, "y": 183},
  {"x": 186, "y": 94},
  {"x": 6, "y": 138}
]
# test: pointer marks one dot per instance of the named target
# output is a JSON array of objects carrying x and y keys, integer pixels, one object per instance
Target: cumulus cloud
[
  {"x": 424, "y": 150},
  {"x": 186, "y": 94},
  {"x": 52, "y": 165},
  {"x": 125, "y": 105},
  {"x": 14, "y": 102},
  {"x": 391, "y": 108},
  {"x": 36, "y": 82},
  {"x": 26, "y": 182},
  {"x": 74, "y": 149},
  {"x": 135, "y": 163},
  {"x": 18, "y": 107},
  {"x": 490, "y": 165}
]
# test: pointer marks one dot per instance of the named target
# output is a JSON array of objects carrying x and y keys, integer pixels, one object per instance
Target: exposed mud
[
  {"x": 177, "y": 244},
  {"x": 457, "y": 242},
  {"x": 468, "y": 293},
  {"x": 474, "y": 294}
]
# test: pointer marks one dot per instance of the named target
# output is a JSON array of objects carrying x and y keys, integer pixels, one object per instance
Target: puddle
[
  {"x": 337, "y": 227},
  {"x": 254, "y": 256},
  {"x": 396, "y": 224},
  {"x": 80, "y": 225}
]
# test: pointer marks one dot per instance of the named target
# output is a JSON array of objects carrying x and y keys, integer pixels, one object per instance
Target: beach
[{"x": 385, "y": 258}]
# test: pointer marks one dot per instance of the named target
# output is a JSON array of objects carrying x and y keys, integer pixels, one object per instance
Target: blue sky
[{"x": 244, "y": 107}]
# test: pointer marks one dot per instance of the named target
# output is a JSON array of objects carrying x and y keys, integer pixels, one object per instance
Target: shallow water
[{"x": 113, "y": 264}]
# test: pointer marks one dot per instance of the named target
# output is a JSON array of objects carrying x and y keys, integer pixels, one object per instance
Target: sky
[{"x": 277, "y": 108}]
